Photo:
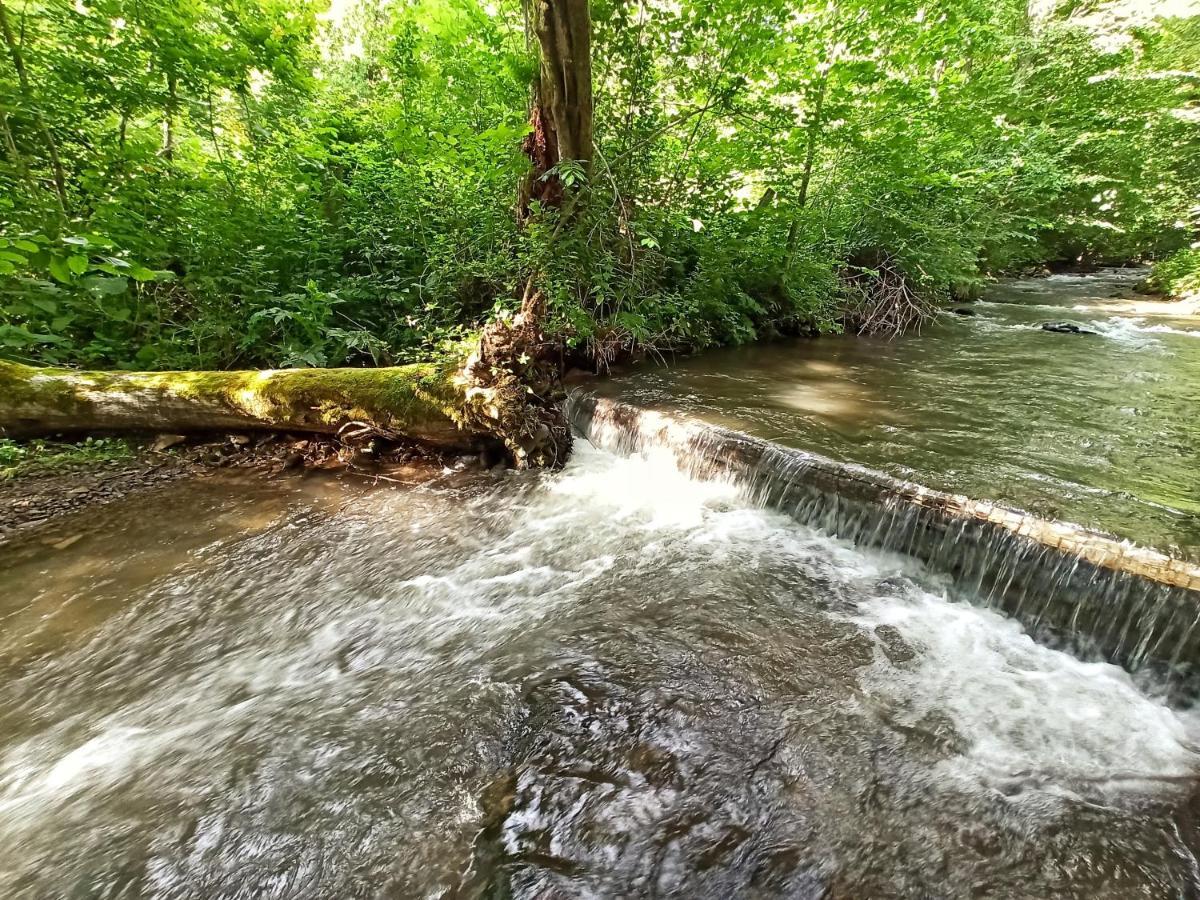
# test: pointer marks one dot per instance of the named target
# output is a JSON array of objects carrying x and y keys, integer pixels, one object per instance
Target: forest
[
  {"x": 552, "y": 449},
  {"x": 240, "y": 184}
]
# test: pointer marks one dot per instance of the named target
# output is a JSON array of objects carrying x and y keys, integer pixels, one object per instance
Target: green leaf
[
  {"x": 141, "y": 273},
  {"x": 27, "y": 246},
  {"x": 13, "y": 257},
  {"x": 60, "y": 270},
  {"x": 78, "y": 263},
  {"x": 105, "y": 285}
]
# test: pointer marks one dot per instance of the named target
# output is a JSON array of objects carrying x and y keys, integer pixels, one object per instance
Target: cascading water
[
  {"x": 1097, "y": 429},
  {"x": 613, "y": 681},
  {"x": 1135, "y": 606}
]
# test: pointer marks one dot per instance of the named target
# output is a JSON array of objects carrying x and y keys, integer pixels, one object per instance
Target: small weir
[{"x": 1068, "y": 585}]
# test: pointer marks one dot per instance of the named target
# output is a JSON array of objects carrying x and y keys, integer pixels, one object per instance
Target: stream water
[
  {"x": 611, "y": 681},
  {"x": 1099, "y": 429}
]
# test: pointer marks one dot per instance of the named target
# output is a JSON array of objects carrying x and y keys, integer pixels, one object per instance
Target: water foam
[
  {"x": 1026, "y": 711},
  {"x": 1030, "y": 715},
  {"x": 1021, "y": 707}
]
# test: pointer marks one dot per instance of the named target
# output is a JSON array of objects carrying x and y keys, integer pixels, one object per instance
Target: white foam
[{"x": 1023, "y": 708}]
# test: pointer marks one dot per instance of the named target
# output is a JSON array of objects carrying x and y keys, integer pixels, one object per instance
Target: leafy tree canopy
[{"x": 241, "y": 182}]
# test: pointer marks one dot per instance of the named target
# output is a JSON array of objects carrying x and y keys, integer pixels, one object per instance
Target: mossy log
[{"x": 431, "y": 403}]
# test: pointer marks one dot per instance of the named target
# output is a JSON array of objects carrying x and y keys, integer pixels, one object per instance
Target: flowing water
[
  {"x": 1100, "y": 429},
  {"x": 611, "y": 681}
]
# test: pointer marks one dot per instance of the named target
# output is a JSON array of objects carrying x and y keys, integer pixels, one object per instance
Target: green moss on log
[
  {"x": 19, "y": 387},
  {"x": 426, "y": 401}
]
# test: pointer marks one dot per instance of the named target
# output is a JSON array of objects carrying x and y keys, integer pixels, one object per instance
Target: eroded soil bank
[{"x": 49, "y": 501}]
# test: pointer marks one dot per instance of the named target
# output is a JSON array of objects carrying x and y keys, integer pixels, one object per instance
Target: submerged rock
[
  {"x": 1065, "y": 328},
  {"x": 895, "y": 648},
  {"x": 964, "y": 311}
]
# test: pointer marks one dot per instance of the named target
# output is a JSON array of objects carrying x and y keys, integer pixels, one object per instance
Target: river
[
  {"x": 609, "y": 681},
  {"x": 1100, "y": 429}
]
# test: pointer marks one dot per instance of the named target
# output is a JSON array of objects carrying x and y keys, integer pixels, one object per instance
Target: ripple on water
[{"x": 610, "y": 682}]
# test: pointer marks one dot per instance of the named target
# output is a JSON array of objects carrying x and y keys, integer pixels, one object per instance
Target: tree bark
[
  {"x": 561, "y": 110},
  {"x": 429, "y": 403}
]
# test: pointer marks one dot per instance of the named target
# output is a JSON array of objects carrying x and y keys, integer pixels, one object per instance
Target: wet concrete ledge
[{"x": 1129, "y": 604}]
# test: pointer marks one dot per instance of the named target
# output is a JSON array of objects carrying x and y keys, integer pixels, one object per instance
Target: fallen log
[{"x": 430, "y": 403}]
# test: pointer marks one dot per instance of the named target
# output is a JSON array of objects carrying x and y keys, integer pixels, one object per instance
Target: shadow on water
[{"x": 614, "y": 681}]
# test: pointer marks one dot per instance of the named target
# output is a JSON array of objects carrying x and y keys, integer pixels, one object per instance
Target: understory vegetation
[
  {"x": 1178, "y": 275},
  {"x": 47, "y": 457},
  {"x": 237, "y": 183}
]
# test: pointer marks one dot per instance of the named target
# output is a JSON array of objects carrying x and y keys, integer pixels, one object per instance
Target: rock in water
[
  {"x": 964, "y": 311},
  {"x": 1065, "y": 328}
]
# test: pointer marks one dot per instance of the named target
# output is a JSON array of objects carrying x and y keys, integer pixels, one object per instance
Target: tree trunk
[
  {"x": 810, "y": 156},
  {"x": 428, "y": 403},
  {"x": 168, "y": 145},
  {"x": 561, "y": 109},
  {"x": 513, "y": 359},
  {"x": 18, "y": 61},
  {"x": 14, "y": 155}
]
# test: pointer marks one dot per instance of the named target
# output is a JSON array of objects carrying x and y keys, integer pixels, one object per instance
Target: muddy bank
[{"x": 33, "y": 504}]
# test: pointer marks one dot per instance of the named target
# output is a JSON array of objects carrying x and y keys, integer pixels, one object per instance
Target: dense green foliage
[
  {"x": 1178, "y": 275},
  {"x": 244, "y": 182}
]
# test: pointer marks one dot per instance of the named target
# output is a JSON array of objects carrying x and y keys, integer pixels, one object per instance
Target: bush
[{"x": 1178, "y": 274}]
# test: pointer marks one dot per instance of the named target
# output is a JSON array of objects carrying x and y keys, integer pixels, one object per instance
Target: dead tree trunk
[{"x": 427, "y": 403}]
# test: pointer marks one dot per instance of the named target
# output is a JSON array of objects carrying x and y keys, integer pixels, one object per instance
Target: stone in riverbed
[
  {"x": 1065, "y": 328},
  {"x": 166, "y": 441}
]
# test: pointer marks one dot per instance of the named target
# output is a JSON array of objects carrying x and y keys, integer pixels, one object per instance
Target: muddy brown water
[{"x": 608, "y": 682}]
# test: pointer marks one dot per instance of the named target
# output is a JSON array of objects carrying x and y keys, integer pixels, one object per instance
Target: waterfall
[{"x": 1068, "y": 585}]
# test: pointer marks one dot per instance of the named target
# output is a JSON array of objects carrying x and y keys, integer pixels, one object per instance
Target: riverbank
[{"x": 47, "y": 482}]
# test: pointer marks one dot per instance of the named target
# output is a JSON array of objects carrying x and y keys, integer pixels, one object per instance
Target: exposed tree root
[{"x": 515, "y": 373}]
